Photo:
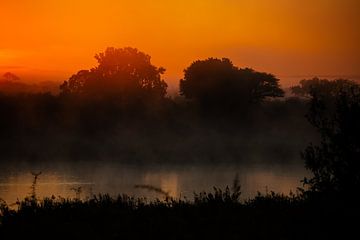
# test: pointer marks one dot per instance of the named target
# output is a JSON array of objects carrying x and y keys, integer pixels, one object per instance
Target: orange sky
[{"x": 51, "y": 39}]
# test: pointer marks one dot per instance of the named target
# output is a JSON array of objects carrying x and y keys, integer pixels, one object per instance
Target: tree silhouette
[
  {"x": 335, "y": 162},
  {"x": 125, "y": 72},
  {"x": 308, "y": 87},
  {"x": 218, "y": 82},
  {"x": 76, "y": 83},
  {"x": 8, "y": 76}
]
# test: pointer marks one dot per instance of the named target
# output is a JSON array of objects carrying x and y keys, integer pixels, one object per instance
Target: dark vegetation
[
  {"x": 335, "y": 162},
  {"x": 120, "y": 106},
  {"x": 216, "y": 215},
  {"x": 218, "y": 84},
  {"x": 119, "y": 111}
]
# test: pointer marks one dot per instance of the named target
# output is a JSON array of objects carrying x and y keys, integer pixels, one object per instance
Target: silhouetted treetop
[
  {"x": 218, "y": 81},
  {"x": 126, "y": 72},
  {"x": 324, "y": 87}
]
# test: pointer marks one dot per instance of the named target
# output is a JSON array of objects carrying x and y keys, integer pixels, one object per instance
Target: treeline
[
  {"x": 10, "y": 84},
  {"x": 120, "y": 110}
]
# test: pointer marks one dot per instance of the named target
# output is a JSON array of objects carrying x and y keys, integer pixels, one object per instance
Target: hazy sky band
[{"x": 51, "y": 39}]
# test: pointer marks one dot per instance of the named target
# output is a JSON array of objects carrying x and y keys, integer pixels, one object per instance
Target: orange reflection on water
[
  {"x": 166, "y": 181},
  {"x": 177, "y": 181},
  {"x": 19, "y": 186}
]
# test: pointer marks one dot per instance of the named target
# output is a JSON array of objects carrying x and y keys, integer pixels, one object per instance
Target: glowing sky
[{"x": 51, "y": 39}]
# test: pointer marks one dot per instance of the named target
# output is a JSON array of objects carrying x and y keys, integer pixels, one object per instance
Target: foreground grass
[{"x": 217, "y": 215}]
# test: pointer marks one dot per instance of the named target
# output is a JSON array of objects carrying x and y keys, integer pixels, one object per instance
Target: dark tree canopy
[
  {"x": 324, "y": 87},
  {"x": 125, "y": 72},
  {"x": 217, "y": 81},
  {"x": 335, "y": 162}
]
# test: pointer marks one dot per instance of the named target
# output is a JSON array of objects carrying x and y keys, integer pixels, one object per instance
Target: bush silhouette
[{"x": 335, "y": 162}]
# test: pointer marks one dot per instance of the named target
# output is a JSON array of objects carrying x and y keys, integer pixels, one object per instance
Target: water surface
[{"x": 179, "y": 181}]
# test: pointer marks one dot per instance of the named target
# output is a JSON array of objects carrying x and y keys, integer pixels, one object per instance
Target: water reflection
[{"x": 182, "y": 181}]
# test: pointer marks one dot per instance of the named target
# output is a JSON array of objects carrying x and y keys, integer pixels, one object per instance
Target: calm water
[{"x": 61, "y": 179}]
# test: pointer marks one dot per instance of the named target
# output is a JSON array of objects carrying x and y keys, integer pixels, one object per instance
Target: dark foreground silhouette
[{"x": 217, "y": 215}]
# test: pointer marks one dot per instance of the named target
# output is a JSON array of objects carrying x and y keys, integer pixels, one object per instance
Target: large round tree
[
  {"x": 218, "y": 82},
  {"x": 125, "y": 72}
]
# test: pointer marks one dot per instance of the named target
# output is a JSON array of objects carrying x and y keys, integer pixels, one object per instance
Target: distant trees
[
  {"x": 129, "y": 74},
  {"x": 335, "y": 162},
  {"x": 123, "y": 72},
  {"x": 11, "y": 84},
  {"x": 8, "y": 76},
  {"x": 324, "y": 87},
  {"x": 217, "y": 82}
]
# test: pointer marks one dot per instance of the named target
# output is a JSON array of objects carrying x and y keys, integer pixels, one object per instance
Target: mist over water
[
  {"x": 60, "y": 179},
  {"x": 181, "y": 154}
]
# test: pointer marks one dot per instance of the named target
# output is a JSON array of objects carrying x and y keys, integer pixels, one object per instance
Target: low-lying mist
[{"x": 45, "y": 128}]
